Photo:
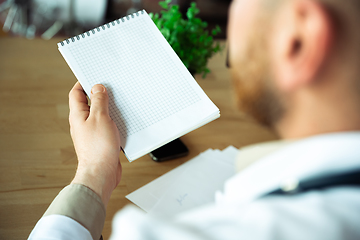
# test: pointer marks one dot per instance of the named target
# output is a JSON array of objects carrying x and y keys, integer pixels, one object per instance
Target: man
[{"x": 295, "y": 69}]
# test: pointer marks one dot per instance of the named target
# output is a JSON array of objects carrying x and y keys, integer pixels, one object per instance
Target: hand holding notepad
[{"x": 153, "y": 97}]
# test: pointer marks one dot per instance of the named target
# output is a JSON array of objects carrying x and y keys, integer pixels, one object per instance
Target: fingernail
[{"x": 97, "y": 88}]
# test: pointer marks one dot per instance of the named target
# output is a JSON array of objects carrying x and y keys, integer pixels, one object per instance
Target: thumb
[{"x": 99, "y": 100}]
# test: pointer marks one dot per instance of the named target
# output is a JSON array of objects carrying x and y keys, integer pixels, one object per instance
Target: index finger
[{"x": 78, "y": 103}]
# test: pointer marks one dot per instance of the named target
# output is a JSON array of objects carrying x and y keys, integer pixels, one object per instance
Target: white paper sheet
[
  {"x": 190, "y": 185},
  {"x": 153, "y": 99}
]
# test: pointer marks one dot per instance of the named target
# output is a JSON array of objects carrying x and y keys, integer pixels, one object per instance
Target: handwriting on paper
[{"x": 181, "y": 198}]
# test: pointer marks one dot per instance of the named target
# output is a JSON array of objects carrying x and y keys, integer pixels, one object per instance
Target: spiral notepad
[{"x": 153, "y": 97}]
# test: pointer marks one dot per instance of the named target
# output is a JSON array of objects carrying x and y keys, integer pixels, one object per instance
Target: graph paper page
[{"x": 153, "y": 98}]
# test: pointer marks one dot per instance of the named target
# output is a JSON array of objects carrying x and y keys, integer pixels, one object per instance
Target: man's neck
[{"x": 320, "y": 115}]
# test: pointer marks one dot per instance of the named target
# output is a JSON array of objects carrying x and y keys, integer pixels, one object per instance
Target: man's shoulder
[{"x": 315, "y": 214}]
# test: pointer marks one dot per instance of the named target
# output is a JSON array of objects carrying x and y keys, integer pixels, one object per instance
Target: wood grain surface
[{"x": 37, "y": 158}]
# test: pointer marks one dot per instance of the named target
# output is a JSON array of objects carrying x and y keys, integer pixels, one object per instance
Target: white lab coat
[{"x": 241, "y": 213}]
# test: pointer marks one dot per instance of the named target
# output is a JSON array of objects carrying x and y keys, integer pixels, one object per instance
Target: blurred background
[{"x": 66, "y": 18}]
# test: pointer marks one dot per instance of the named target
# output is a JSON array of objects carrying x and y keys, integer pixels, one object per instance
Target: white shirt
[{"x": 241, "y": 213}]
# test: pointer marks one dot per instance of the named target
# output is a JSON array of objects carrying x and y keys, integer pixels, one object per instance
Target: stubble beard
[{"x": 256, "y": 94}]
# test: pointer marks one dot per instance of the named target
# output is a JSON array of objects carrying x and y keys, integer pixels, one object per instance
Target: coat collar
[{"x": 314, "y": 156}]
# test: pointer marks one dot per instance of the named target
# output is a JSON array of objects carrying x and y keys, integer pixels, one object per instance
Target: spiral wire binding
[{"x": 102, "y": 27}]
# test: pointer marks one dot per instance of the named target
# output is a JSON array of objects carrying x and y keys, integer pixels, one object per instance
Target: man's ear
[{"x": 300, "y": 43}]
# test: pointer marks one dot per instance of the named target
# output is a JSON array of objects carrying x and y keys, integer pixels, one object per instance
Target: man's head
[{"x": 291, "y": 57}]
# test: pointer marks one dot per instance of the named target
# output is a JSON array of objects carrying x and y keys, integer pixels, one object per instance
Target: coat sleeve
[{"x": 78, "y": 203}]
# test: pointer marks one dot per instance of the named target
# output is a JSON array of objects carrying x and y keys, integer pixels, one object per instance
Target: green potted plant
[{"x": 187, "y": 36}]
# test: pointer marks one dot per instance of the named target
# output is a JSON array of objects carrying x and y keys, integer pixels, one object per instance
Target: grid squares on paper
[{"x": 143, "y": 82}]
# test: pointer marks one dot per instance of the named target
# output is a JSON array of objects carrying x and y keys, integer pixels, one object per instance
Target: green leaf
[
  {"x": 190, "y": 14},
  {"x": 159, "y": 24},
  {"x": 175, "y": 8},
  {"x": 194, "y": 8},
  {"x": 216, "y": 30},
  {"x": 164, "y": 4},
  {"x": 179, "y": 28},
  {"x": 197, "y": 21},
  {"x": 206, "y": 71},
  {"x": 165, "y": 32}
]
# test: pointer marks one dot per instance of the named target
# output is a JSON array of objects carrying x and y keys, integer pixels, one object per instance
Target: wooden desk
[{"x": 37, "y": 158}]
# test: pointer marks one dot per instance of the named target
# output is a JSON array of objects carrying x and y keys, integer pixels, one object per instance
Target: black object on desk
[{"x": 172, "y": 150}]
